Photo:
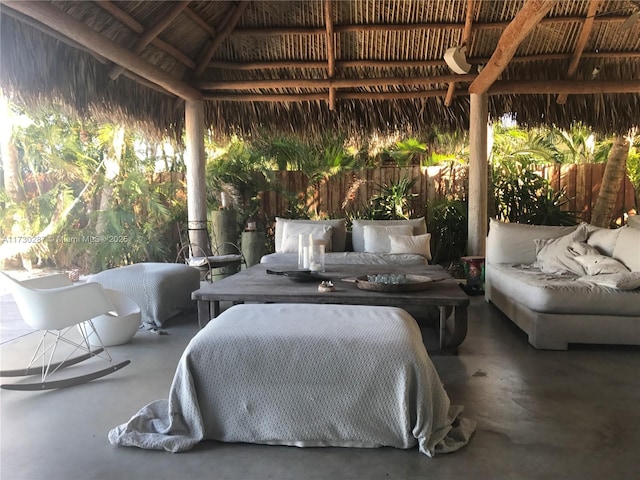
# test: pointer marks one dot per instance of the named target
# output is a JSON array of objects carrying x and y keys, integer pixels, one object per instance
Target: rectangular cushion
[
  {"x": 514, "y": 242},
  {"x": 419, "y": 228},
  {"x": 338, "y": 231},
  {"x": 376, "y": 237},
  {"x": 627, "y": 249}
]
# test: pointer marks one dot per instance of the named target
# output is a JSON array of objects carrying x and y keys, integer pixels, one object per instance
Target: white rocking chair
[{"x": 60, "y": 309}]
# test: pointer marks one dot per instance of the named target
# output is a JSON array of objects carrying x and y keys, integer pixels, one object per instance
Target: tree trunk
[
  {"x": 112, "y": 169},
  {"x": 9, "y": 153},
  {"x": 614, "y": 173}
]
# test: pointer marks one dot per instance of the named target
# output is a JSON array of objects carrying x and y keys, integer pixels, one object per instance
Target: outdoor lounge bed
[{"x": 304, "y": 375}]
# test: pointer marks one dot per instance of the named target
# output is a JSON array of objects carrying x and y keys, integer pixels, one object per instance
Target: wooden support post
[
  {"x": 196, "y": 167},
  {"x": 331, "y": 51},
  {"x": 478, "y": 170}
]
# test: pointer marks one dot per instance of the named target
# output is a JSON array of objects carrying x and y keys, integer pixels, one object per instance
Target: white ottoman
[{"x": 161, "y": 290}]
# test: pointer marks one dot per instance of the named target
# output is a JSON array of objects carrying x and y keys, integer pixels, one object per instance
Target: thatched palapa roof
[{"x": 311, "y": 65}]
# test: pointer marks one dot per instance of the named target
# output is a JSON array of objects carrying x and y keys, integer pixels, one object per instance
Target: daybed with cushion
[
  {"x": 304, "y": 375},
  {"x": 374, "y": 242},
  {"x": 563, "y": 285}
]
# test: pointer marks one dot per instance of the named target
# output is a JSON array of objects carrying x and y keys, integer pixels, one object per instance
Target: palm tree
[
  {"x": 614, "y": 174},
  {"x": 318, "y": 163}
]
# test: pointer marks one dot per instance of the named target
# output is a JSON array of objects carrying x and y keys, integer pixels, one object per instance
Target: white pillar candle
[{"x": 305, "y": 256}]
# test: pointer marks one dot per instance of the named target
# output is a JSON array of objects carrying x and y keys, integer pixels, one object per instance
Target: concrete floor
[{"x": 540, "y": 414}]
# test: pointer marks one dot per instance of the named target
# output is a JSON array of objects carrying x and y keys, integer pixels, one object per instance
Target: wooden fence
[
  {"x": 582, "y": 183},
  {"x": 349, "y": 193}
]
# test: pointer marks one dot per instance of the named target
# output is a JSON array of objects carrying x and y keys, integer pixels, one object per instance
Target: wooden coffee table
[{"x": 256, "y": 285}]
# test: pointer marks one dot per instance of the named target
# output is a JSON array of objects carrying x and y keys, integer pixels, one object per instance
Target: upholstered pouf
[
  {"x": 116, "y": 329},
  {"x": 161, "y": 290}
]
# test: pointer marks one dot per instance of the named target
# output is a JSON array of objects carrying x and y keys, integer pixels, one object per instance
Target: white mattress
[
  {"x": 560, "y": 294},
  {"x": 304, "y": 375},
  {"x": 350, "y": 258}
]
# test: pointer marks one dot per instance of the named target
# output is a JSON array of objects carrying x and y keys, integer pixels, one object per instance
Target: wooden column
[
  {"x": 196, "y": 167},
  {"x": 478, "y": 170}
]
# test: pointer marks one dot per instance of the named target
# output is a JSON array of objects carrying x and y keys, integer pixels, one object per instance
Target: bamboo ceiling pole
[
  {"x": 320, "y": 65},
  {"x": 585, "y": 32},
  {"x": 62, "y": 23},
  {"x": 224, "y": 32},
  {"x": 336, "y": 83},
  {"x": 586, "y": 87},
  {"x": 523, "y": 23},
  {"x": 478, "y": 174},
  {"x": 466, "y": 36},
  {"x": 131, "y": 23},
  {"x": 406, "y": 27},
  {"x": 331, "y": 51},
  {"x": 149, "y": 35},
  {"x": 196, "y": 173}
]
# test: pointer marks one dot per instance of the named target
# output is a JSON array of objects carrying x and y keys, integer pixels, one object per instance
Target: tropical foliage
[
  {"x": 88, "y": 195},
  {"x": 88, "y": 200}
]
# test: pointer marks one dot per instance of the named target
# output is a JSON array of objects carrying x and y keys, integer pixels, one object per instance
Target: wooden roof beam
[
  {"x": 522, "y": 24},
  {"x": 409, "y": 27},
  {"x": 585, "y": 32},
  {"x": 466, "y": 36},
  {"x": 570, "y": 87},
  {"x": 320, "y": 65},
  {"x": 131, "y": 23},
  {"x": 64, "y": 24},
  {"x": 224, "y": 32},
  {"x": 149, "y": 35},
  {"x": 200, "y": 22},
  {"x": 500, "y": 87},
  {"x": 331, "y": 51},
  {"x": 335, "y": 83}
]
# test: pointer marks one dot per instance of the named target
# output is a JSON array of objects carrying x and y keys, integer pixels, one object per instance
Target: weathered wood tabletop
[{"x": 256, "y": 285}]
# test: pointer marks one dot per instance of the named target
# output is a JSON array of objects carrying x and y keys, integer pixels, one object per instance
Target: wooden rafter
[
  {"x": 222, "y": 35},
  {"x": 585, "y": 32},
  {"x": 466, "y": 36},
  {"x": 523, "y": 23},
  {"x": 131, "y": 23},
  {"x": 343, "y": 64},
  {"x": 500, "y": 87},
  {"x": 409, "y": 27},
  {"x": 331, "y": 51},
  {"x": 200, "y": 22},
  {"x": 66, "y": 25},
  {"x": 335, "y": 83},
  {"x": 149, "y": 35}
]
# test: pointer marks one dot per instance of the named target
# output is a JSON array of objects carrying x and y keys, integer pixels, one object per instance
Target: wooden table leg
[
  {"x": 203, "y": 313},
  {"x": 206, "y": 311},
  {"x": 451, "y": 339},
  {"x": 459, "y": 332}
]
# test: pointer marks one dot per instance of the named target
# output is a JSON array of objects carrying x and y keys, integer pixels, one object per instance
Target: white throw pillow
[
  {"x": 418, "y": 244},
  {"x": 338, "y": 234},
  {"x": 357, "y": 229},
  {"x": 514, "y": 242},
  {"x": 627, "y": 249},
  {"x": 600, "y": 264},
  {"x": 293, "y": 230},
  {"x": 376, "y": 237},
  {"x": 620, "y": 281},
  {"x": 604, "y": 239},
  {"x": 555, "y": 256}
]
